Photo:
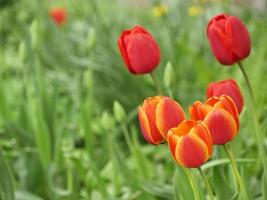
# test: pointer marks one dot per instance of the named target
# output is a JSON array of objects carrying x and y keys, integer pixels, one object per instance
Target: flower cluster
[{"x": 213, "y": 122}]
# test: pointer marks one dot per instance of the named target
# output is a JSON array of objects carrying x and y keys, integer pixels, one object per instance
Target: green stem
[
  {"x": 236, "y": 172},
  {"x": 192, "y": 183},
  {"x": 69, "y": 179},
  {"x": 259, "y": 136},
  {"x": 156, "y": 83},
  {"x": 206, "y": 183}
]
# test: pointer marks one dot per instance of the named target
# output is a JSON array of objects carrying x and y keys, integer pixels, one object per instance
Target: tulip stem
[
  {"x": 259, "y": 136},
  {"x": 192, "y": 183},
  {"x": 206, "y": 183},
  {"x": 239, "y": 180},
  {"x": 156, "y": 83}
]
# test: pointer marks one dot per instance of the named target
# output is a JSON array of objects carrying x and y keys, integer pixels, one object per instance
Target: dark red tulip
[
  {"x": 139, "y": 50},
  {"x": 227, "y": 87},
  {"x": 229, "y": 39},
  {"x": 58, "y": 15}
]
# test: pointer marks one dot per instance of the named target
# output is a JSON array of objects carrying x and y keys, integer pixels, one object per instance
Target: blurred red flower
[{"x": 58, "y": 15}]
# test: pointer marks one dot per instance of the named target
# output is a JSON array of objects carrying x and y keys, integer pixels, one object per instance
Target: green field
[{"x": 68, "y": 105}]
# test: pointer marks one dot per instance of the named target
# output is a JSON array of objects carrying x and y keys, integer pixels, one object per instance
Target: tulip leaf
[
  {"x": 264, "y": 186},
  {"x": 6, "y": 180},
  {"x": 182, "y": 188},
  {"x": 24, "y": 195},
  {"x": 219, "y": 162},
  {"x": 158, "y": 189},
  {"x": 222, "y": 188},
  {"x": 176, "y": 190}
]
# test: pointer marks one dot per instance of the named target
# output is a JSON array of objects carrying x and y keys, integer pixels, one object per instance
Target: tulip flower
[
  {"x": 139, "y": 50},
  {"x": 58, "y": 15},
  {"x": 227, "y": 87},
  {"x": 221, "y": 117},
  {"x": 190, "y": 143},
  {"x": 157, "y": 115},
  {"x": 229, "y": 39}
]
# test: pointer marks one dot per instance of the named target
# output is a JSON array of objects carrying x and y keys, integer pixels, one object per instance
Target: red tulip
[
  {"x": 139, "y": 50},
  {"x": 221, "y": 117},
  {"x": 229, "y": 39},
  {"x": 190, "y": 143},
  {"x": 227, "y": 87},
  {"x": 157, "y": 115},
  {"x": 58, "y": 15}
]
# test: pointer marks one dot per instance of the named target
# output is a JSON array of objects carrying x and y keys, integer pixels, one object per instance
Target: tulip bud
[
  {"x": 190, "y": 143},
  {"x": 139, "y": 50},
  {"x": 157, "y": 115},
  {"x": 168, "y": 75},
  {"x": 119, "y": 112},
  {"x": 107, "y": 121},
  {"x": 229, "y": 39},
  {"x": 58, "y": 15},
  {"x": 227, "y": 87},
  {"x": 221, "y": 117}
]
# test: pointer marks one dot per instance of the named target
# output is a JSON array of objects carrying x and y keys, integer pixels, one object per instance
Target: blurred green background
[{"x": 68, "y": 125}]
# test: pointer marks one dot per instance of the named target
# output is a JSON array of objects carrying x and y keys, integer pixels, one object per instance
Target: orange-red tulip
[
  {"x": 157, "y": 115},
  {"x": 139, "y": 50},
  {"x": 229, "y": 39},
  {"x": 58, "y": 15},
  {"x": 227, "y": 87},
  {"x": 221, "y": 117},
  {"x": 190, "y": 143}
]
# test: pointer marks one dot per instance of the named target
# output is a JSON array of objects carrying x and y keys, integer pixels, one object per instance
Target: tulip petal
[
  {"x": 123, "y": 50},
  {"x": 150, "y": 137},
  {"x": 227, "y": 87},
  {"x": 199, "y": 110},
  {"x": 149, "y": 107},
  {"x": 143, "y": 53},
  {"x": 220, "y": 45},
  {"x": 172, "y": 141},
  {"x": 222, "y": 126},
  {"x": 169, "y": 114},
  {"x": 191, "y": 151},
  {"x": 226, "y": 103},
  {"x": 202, "y": 131},
  {"x": 239, "y": 34}
]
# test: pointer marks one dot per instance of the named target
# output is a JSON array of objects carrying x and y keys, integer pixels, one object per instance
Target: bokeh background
[{"x": 68, "y": 124}]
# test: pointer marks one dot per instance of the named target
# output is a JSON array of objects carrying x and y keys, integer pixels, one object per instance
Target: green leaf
[
  {"x": 222, "y": 189},
  {"x": 183, "y": 189},
  {"x": 264, "y": 186},
  {"x": 219, "y": 162},
  {"x": 158, "y": 189},
  {"x": 6, "y": 180},
  {"x": 168, "y": 75},
  {"x": 176, "y": 191},
  {"x": 24, "y": 195}
]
